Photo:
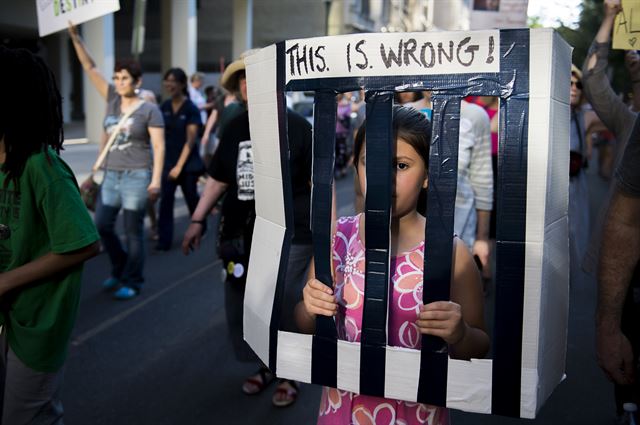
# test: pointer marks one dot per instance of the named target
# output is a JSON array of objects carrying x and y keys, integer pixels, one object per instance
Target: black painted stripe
[
  {"x": 379, "y": 154},
  {"x": 324, "y": 356},
  {"x": 511, "y": 224},
  {"x": 276, "y": 312},
  {"x": 441, "y": 198}
]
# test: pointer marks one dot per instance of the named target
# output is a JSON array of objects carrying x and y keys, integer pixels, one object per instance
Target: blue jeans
[
  {"x": 189, "y": 184},
  {"x": 126, "y": 190}
]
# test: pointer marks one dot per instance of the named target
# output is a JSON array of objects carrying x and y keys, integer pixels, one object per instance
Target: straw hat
[
  {"x": 576, "y": 72},
  {"x": 229, "y": 78}
]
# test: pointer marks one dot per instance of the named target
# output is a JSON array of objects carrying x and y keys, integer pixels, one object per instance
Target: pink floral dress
[{"x": 405, "y": 295}]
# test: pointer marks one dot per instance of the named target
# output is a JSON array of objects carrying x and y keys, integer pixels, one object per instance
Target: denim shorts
[{"x": 126, "y": 189}]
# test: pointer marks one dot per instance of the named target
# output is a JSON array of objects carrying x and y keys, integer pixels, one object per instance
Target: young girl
[
  {"x": 459, "y": 321},
  {"x": 45, "y": 236}
]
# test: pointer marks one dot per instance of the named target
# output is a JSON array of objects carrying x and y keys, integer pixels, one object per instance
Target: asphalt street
[{"x": 164, "y": 357}]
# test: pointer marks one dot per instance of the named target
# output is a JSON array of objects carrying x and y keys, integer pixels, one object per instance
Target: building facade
[{"x": 205, "y": 35}]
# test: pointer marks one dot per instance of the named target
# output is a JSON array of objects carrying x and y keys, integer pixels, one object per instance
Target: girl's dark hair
[
  {"x": 130, "y": 65},
  {"x": 413, "y": 127},
  {"x": 30, "y": 111},
  {"x": 180, "y": 76},
  {"x": 409, "y": 125}
]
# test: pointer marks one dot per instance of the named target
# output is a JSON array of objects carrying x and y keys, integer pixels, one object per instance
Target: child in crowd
[
  {"x": 46, "y": 234},
  {"x": 460, "y": 322}
]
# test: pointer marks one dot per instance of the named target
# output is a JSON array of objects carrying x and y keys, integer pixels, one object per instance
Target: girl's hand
[
  {"x": 442, "y": 319},
  {"x": 319, "y": 299}
]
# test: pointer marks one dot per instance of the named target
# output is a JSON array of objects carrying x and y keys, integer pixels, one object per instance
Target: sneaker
[
  {"x": 110, "y": 284},
  {"x": 125, "y": 293}
]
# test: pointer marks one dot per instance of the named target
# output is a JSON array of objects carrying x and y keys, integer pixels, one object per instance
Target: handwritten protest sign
[
  {"x": 393, "y": 54},
  {"x": 626, "y": 29},
  {"x": 54, "y": 15},
  {"x": 498, "y": 14}
]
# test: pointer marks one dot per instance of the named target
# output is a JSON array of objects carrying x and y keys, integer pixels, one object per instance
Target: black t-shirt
[
  {"x": 233, "y": 164},
  {"x": 175, "y": 135}
]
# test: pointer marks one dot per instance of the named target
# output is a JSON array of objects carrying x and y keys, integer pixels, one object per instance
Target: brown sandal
[
  {"x": 255, "y": 384},
  {"x": 286, "y": 393}
]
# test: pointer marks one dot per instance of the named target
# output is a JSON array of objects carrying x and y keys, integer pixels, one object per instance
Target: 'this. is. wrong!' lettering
[{"x": 362, "y": 55}]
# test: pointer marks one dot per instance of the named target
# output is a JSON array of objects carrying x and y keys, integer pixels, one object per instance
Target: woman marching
[
  {"x": 459, "y": 322},
  {"x": 182, "y": 163},
  {"x": 132, "y": 172}
]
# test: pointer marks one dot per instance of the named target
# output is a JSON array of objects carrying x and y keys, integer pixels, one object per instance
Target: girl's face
[
  {"x": 410, "y": 178},
  {"x": 124, "y": 83},
  {"x": 172, "y": 86}
]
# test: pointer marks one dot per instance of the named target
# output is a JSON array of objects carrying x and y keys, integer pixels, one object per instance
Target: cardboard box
[{"x": 530, "y": 71}]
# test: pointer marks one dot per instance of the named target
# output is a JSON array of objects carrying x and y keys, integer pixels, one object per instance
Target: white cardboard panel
[
  {"x": 349, "y": 366},
  {"x": 359, "y": 55},
  {"x": 401, "y": 373},
  {"x": 557, "y": 174},
  {"x": 528, "y": 396},
  {"x": 269, "y": 197},
  {"x": 469, "y": 385},
  {"x": 538, "y": 157},
  {"x": 264, "y": 261},
  {"x": 294, "y": 356},
  {"x": 549, "y": 55},
  {"x": 531, "y": 308},
  {"x": 554, "y": 309}
]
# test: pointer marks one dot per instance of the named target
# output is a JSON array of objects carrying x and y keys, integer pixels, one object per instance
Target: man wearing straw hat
[{"x": 231, "y": 173}]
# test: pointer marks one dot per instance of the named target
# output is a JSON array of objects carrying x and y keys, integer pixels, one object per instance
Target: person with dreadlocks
[{"x": 46, "y": 235}]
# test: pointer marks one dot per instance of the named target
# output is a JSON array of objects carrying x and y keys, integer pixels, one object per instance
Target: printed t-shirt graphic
[{"x": 244, "y": 171}]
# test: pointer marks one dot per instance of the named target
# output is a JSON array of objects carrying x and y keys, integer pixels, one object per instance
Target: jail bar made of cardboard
[{"x": 529, "y": 70}]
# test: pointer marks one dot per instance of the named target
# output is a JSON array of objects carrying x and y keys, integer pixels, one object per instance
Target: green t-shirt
[{"x": 44, "y": 213}]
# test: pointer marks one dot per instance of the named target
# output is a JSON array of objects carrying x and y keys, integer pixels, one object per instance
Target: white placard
[
  {"x": 54, "y": 15},
  {"x": 499, "y": 14},
  {"x": 418, "y": 53}
]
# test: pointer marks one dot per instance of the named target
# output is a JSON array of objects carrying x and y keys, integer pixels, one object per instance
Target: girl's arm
[
  {"x": 96, "y": 78},
  {"x": 157, "y": 141},
  {"x": 45, "y": 266},
  {"x": 192, "y": 133},
  {"x": 460, "y": 322}
]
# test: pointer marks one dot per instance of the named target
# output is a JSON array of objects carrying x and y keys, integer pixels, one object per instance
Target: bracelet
[{"x": 200, "y": 222}]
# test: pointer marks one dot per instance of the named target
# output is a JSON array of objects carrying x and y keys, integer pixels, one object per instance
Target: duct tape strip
[
  {"x": 511, "y": 225},
  {"x": 276, "y": 312},
  {"x": 324, "y": 355},
  {"x": 441, "y": 199},
  {"x": 485, "y": 84},
  {"x": 379, "y": 161}
]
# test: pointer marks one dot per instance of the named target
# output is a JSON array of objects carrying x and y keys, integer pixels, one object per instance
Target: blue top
[{"x": 175, "y": 135}]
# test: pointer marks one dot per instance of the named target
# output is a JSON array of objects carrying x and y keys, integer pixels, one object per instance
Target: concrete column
[
  {"x": 64, "y": 76},
  {"x": 98, "y": 35},
  {"x": 242, "y": 27},
  {"x": 179, "y": 35}
]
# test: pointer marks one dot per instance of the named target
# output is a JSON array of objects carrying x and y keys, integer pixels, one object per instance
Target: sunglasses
[{"x": 578, "y": 84}]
